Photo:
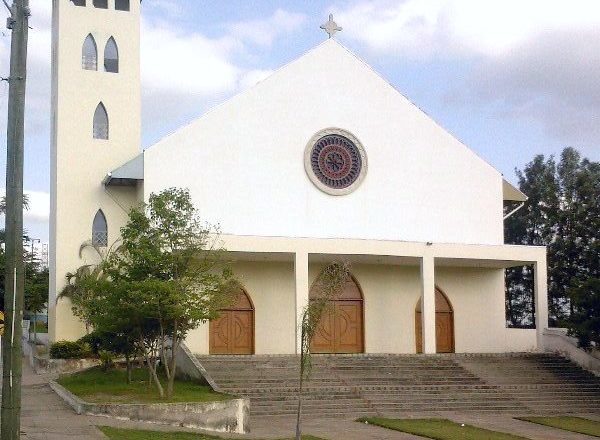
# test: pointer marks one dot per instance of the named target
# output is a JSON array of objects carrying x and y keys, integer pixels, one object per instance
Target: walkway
[{"x": 46, "y": 417}]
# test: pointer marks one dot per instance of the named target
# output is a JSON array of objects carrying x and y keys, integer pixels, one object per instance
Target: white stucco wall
[
  {"x": 477, "y": 296},
  {"x": 244, "y": 161},
  {"x": 78, "y": 162},
  {"x": 391, "y": 293},
  {"x": 270, "y": 286}
]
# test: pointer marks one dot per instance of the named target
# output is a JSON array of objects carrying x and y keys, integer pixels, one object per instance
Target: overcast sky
[{"x": 510, "y": 78}]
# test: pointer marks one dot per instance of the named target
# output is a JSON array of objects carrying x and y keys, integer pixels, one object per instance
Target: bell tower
[{"x": 96, "y": 124}]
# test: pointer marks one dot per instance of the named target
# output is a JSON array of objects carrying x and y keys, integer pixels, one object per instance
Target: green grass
[
  {"x": 439, "y": 429},
  {"x": 128, "y": 434},
  {"x": 97, "y": 386},
  {"x": 574, "y": 424}
]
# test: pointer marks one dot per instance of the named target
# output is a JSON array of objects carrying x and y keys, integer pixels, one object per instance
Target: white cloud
[
  {"x": 186, "y": 63},
  {"x": 38, "y": 76},
  {"x": 460, "y": 27},
  {"x": 551, "y": 79},
  {"x": 264, "y": 31},
  {"x": 537, "y": 58},
  {"x": 169, "y": 8},
  {"x": 180, "y": 70},
  {"x": 39, "y": 206}
]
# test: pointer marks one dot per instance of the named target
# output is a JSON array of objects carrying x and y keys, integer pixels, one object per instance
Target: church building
[{"x": 322, "y": 161}]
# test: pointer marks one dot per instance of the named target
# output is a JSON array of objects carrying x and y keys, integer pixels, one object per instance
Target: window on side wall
[
  {"x": 111, "y": 56},
  {"x": 122, "y": 5},
  {"x": 100, "y": 230},
  {"x": 102, "y": 4},
  {"x": 101, "y": 122},
  {"x": 89, "y": 54}
]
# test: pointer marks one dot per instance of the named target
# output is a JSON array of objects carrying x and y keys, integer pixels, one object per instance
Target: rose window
[{"x": 336, "y": 161}]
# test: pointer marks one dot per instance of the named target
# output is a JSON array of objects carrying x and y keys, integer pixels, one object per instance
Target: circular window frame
[{"x": 315, "y": 179}]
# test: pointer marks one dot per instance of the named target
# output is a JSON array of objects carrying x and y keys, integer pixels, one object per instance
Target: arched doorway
[
  {"x": 341, "y": 329},
  {"x": 233, "y": 331},
  {"x": 444, "y": 324}
]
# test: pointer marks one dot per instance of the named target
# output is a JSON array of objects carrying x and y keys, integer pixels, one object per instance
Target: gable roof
[{"x": 334, "y": 48}]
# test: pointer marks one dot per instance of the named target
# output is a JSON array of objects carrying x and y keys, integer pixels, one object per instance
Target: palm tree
[
  {"x": 3, "y": 203},
  {"x": 79, "y": 283}
]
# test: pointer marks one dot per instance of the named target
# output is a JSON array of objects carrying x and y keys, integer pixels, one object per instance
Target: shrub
[
  {"x": 70, "y": 350},
  {"x": 97, "y": 341},
  {"x": 107, "y": 359},
  {"x": 117, "y": 344}
]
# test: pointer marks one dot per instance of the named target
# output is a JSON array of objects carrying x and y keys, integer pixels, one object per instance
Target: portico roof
[{"x": 322, "y": 250}]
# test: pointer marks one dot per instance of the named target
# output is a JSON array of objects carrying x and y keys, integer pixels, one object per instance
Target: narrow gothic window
[
  {"x": 103, "y": 4},
  {"x": 111, "y": 56},
  {"x": 89, "y": 54},
  {"x": 122, "y": 5},
  {"x": 78, "y": 2},
  {"x": 100, "y": 122},
  {"x": 100, "y": 230}
]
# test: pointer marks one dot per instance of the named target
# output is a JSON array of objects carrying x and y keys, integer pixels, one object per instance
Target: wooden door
[
  {"x": 341, "y": 327},
  {"x": 348, "y": 327},
  {"x": 233, "y": 331},
  {"x": 444, "y": 324}
]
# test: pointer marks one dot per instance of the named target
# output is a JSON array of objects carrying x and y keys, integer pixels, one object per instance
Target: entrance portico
[{"x": 457, "y": 269}]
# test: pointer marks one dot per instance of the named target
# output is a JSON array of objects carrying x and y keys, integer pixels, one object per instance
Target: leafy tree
[
  {"x": 328, "y": 286},
  {"x": 532, "y": 225},
  {"x": 563, "y": 213},
  {"x": 166, "y": 277},
  {"x": 36, "y": 293},
  {"x": 584, "y": 322},
  {"x": 2, "y": 241}
]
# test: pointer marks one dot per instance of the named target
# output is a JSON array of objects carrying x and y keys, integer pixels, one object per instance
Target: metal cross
[{"x": 331, "y": 27}]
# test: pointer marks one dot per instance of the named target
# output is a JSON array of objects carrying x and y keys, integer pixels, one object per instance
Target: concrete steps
[{"x": 358, "y": 385}]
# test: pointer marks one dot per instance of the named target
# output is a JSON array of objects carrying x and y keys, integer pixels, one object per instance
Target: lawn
[
  {"x": 127, "y": 434},
  {"x": 439, "y": 429},
  {"x": 574, "y": 424},
  {"x": 97, "y": 386}
]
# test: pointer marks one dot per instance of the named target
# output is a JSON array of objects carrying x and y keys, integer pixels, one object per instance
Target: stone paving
[{"x": 46, "y": 417}]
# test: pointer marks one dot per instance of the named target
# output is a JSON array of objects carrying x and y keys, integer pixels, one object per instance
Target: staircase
[{"x": 359, "y": 385}]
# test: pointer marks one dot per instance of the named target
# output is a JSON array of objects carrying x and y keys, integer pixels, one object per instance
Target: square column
[
  {"x": 428, "y": 304},
  {"x": 302, "y": 289},
  {"x": 540, "y": 292}
]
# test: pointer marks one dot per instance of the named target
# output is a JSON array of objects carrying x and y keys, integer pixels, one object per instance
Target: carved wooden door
[
  {"x": 348, "y": 327},
  {"x": 233, "y": 331},
  {"x": 341, "y": 327},
  {"x": 444, "y": 325}
]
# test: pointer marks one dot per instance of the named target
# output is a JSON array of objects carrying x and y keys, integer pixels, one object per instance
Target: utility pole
[{"x": 10, "y": 417}]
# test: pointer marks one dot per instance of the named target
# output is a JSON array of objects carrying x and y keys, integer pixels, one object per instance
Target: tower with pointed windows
[{"x": 96, "y": 124}]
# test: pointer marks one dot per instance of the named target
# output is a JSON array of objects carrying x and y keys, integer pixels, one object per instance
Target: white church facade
[{"x": 322, "y": 161}]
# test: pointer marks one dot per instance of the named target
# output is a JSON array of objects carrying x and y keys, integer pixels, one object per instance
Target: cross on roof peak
[{"x": 331, "y": 27}]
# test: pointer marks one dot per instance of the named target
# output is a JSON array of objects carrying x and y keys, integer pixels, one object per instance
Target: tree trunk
[
  {"x": 153, "y": 375},
  {"x": 129, "y": 368},
  {"x": 163, "y": 352},
  {"x": 35, "y": 333},
  {"x": 172, "y": 368},
  {"x": 299, "y": 413},
  {"x": 159, "y": 387}
]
